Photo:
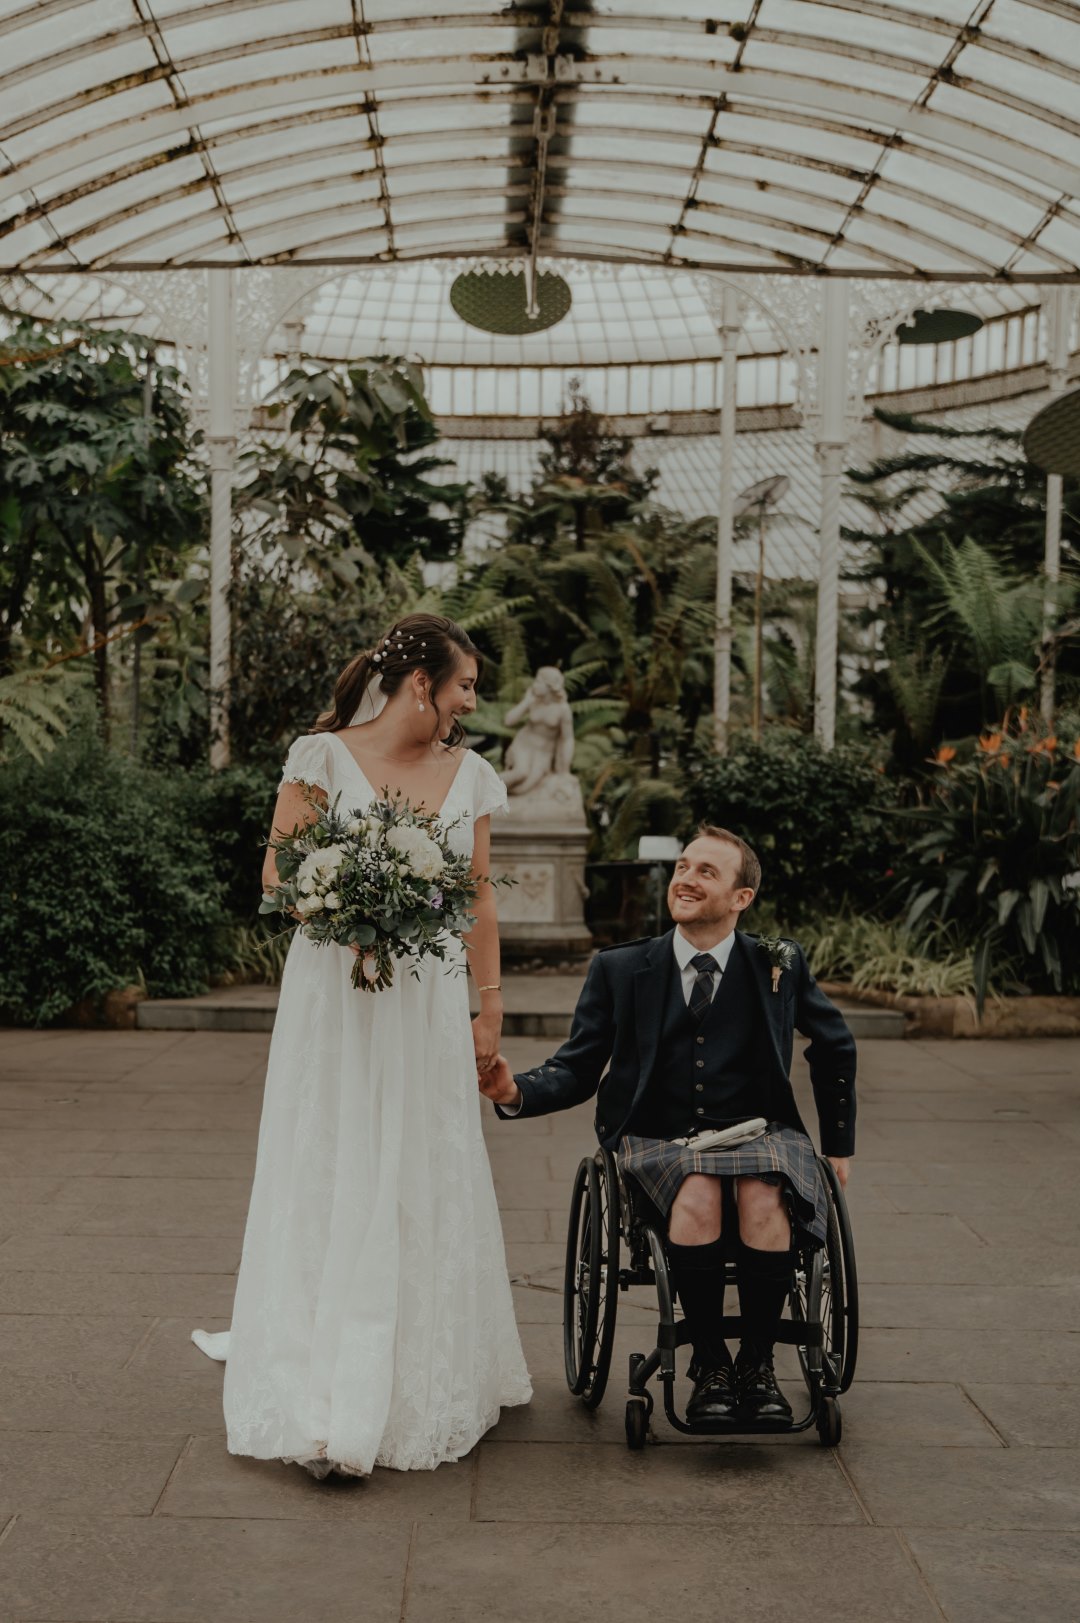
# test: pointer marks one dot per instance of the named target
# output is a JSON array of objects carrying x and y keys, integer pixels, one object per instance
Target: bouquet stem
[{"x": 373, "y": 969}]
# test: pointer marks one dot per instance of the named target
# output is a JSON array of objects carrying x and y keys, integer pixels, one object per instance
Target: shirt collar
[{"x": 685, "y": 950}]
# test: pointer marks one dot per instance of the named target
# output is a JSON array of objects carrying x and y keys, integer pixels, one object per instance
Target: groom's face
[{"x": 703, "y": 888}]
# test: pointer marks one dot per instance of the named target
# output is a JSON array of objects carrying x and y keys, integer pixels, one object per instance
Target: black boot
[
  {"x": 764, "y": 1280},
  {"x": 697, "y": 1273}
]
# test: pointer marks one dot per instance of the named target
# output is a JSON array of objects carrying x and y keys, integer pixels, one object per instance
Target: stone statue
[
  {"x": 544, "y": 745},
  {"x": 541, "y": 844}
]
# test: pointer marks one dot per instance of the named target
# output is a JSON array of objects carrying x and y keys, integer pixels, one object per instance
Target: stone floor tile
[
  {"x": 935, "y": 1414},
  {"x": 528, "y": 1573},
  {"x": 533, "y": 1194},
  {"x": 526, "y": 1225},
  {"x": 969, "y": 1307},
  {"x": 1000, "y": 1577},
  {"x": 211, "y": 1482},
  {"x": 217, "y": 1211},
  {"x": 1011, "y": 1489},
  {"x": 69, "y": 1474},
  {"x": 132, "y": 1404},
  {"x": 959, "y": 1355},
  {"x": 46, "y": 1342},
  {"x": 167, "y": 1569},
  {"x": 54, "y": 1163},
  {"x": 119, "y": 1254},
  {"x": 1030, "y": 1416},
  {"x": 126, "y": 1294},
  {"x": 174, "y": 1163},
  {"x": 733, "y": 1483},
  {"x": 526, "y": 1259}
]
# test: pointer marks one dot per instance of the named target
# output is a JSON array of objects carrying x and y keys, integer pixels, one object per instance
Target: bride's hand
[{"x": 486, "y": 1031}]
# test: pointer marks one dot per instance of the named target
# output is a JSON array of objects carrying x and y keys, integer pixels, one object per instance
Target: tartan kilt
[{"x": 782, "y": 1156}]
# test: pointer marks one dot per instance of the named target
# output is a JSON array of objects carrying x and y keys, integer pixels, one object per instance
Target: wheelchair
[{"x": 610, "y": 1214}]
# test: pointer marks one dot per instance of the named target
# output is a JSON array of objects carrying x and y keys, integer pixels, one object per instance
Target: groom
[{"x": 691, "y": 1031}]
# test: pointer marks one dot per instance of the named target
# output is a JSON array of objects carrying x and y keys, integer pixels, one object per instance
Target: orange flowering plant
[{"x": 996, "y": 850}]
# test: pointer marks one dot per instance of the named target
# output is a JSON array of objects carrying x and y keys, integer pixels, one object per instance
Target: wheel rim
[
  {"x": 582, "y": 1281},
  {"x": 606, "y": 1288}
]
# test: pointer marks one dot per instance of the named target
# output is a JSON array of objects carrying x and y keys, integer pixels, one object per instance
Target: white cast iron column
[
  {"x": 831, "y": 447},
  {"x": 221, "y": 442},
  {"x": 1059, "y": 308},
  {"x": 725, "y": 533}
]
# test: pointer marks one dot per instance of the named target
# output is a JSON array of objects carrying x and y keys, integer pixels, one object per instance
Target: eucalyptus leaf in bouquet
[{"x": 384, "y": 880}]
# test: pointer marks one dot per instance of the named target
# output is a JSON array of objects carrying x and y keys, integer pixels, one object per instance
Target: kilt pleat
[{"x": 781, "y": 1156}]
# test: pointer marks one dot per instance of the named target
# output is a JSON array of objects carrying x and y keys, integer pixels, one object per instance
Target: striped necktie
[{"x": 702, "y": 990}]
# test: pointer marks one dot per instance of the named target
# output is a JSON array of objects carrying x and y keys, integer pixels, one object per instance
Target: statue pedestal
[{"x": 541, "y": 843}]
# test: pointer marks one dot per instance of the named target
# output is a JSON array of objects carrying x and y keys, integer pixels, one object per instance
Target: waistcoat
[{"x": 710, "y": 1073}]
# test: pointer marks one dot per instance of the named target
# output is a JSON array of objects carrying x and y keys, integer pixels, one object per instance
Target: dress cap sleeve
[
  {"x": 307, "y": 762},
  {"x": 489, "y": 793}
]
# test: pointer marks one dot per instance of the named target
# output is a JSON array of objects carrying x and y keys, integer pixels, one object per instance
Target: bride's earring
[{"x": 420, "y": 705}]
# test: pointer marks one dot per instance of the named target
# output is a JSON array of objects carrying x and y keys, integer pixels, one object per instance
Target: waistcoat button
[
  {"x": 700, "y": 1112},
  {"x": 700, "y": 1063}
]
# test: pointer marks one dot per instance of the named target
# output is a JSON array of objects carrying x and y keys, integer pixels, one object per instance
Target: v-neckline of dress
[{"x": 375, "y": 793}]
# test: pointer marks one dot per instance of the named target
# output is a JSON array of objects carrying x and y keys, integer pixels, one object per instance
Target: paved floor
[{"x": 126, "y": 1162}]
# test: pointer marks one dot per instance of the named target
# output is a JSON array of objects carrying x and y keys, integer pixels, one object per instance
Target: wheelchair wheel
[
  {"x": 637, "y": 1423},
  {"x": 591, "y": 1279},
  {"x": 842, "y": 1266},
  {"x": 829, "y": 1427},
  {"x": 821, "y": 1290}
]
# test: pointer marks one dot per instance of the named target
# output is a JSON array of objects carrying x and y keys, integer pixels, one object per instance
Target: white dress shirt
[{"x": 685, "y": 951}]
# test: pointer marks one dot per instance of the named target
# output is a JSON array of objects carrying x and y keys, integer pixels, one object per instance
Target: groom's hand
[{"x": 497, "y": 1083}]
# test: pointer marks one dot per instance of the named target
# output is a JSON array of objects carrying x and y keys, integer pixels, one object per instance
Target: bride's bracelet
[{"x": 496, "y": 987}]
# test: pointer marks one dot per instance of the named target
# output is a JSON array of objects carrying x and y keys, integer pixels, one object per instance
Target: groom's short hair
[{"x": 748, "y": 876}]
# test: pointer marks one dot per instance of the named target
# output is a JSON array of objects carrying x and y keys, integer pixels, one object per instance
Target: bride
[{"x": 373, "y": 1322}]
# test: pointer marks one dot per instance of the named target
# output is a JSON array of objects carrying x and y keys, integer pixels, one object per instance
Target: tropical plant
[
  {"x": 36, "y": 708},
  {"x": 350, "y": 491},
  {"x": 100, "y": 498},
  {"x": 996, "y": 850},
  {"x": 882, "y": 955},
  {"x": 819, "y": 819},
  {"x": 952, "y": 497}
]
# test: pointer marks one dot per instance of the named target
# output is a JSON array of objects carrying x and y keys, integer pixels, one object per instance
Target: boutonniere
[{"x": 780, "y": 953}]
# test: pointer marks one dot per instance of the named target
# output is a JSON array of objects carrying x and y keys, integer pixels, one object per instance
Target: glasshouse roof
[{"x": 853, "y": 137}]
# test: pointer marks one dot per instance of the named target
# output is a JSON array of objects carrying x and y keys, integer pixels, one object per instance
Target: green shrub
[
  {"x": 997, "y": 850},
  {"x": 881, "y": 955},
  {"x": 106, "y": 880},
  {"x": 233, "y": 811},
  {"x": 819, "y": 819}
]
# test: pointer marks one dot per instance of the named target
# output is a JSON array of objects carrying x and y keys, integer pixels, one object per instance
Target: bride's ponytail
[{"x": 348, "y": 691}]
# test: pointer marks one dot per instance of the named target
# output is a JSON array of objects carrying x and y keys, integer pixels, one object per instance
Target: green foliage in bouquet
[
  {"x": 997, "y": 849},
  {"x": 107, "y": 881},
  {"x": 817, "y": 818},
  {"x": 385, "y": 881}
]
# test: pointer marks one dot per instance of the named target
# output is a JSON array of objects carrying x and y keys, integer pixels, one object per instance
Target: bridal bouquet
[{"x": 385, "y": 881}]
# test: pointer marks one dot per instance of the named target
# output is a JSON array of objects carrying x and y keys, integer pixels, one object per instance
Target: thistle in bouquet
[{"x": 383, "y": 880}]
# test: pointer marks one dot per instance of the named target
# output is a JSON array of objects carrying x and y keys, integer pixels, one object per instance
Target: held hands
[
  {"x": 497, "y": 1083},
  {"x": 486, "y": 1030},
  {"x": 841, "y": 1165}
]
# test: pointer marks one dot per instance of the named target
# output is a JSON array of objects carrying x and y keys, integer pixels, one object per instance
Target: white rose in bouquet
[
  {"x": 319, "y": 868},
  {"x": 420, "y": 852},
  {"x": 309, "y": 904}
]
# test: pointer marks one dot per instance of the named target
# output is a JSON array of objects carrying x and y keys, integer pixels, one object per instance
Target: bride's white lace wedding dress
[{"x": 373, "y": 1322}]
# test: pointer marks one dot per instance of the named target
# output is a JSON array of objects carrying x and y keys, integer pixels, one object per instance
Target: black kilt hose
[
  {"x": 783, "y": 1156},
  {"x": 619, "y": 1052}
]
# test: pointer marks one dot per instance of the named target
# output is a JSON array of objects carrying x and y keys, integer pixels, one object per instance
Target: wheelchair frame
[{"x": 607, "y": 1212}]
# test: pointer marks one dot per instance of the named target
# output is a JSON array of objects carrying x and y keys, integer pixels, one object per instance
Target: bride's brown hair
[{"x": 418, "y": 642}]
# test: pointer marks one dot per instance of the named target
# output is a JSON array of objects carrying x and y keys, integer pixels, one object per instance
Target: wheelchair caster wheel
[
  {"x": 637, "y": 1423},
  {"x": 829, "y": 1427}
]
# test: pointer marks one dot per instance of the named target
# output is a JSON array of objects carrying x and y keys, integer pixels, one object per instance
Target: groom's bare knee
[
  {"x": 763, "y": 1218},
  {"x": 695, "y": 1212}
]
